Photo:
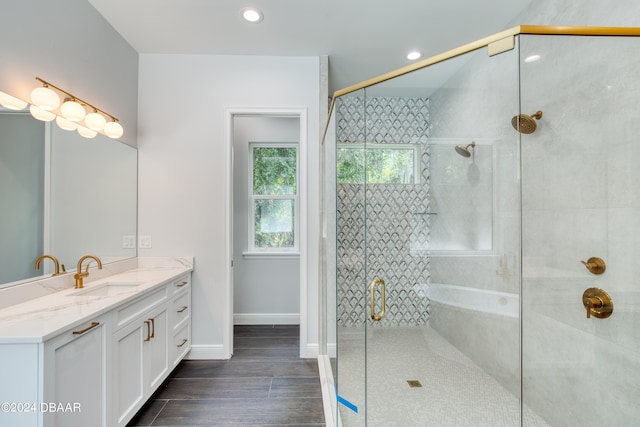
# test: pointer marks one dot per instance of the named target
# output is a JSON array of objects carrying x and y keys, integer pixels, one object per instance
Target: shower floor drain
[{"x": 414, "y": 383}]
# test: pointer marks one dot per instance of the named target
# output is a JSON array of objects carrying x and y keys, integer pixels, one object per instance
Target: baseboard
[
  {"x": 266, "y": 319},
  {"x": 207, "y": 352}
]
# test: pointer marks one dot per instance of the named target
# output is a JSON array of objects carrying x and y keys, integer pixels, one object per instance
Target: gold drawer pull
[
  {"x": 184, "y": 341},
  {"x": 182, "y": 284},
  {"x": 148, "y": 323},
  {"x": 184, "y": 307},
  {"x": 93, "y": 325},
  {"x": 153, "y": 328}
]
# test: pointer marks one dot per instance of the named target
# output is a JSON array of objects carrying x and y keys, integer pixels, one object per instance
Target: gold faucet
[
  {"x": 55, "y": 262},
  {"x": 80, "y": 274}
]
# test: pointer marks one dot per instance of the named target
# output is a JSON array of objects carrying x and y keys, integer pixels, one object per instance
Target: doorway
[{"x": 266, "y": 220}]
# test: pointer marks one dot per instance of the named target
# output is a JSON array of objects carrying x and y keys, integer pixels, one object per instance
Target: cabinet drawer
[
  {"x": 181, "y": 343},
  {"x": 139, "y": 306},
  {"x": 180, "y": 283},
  {"x": 181, "y": 309}
]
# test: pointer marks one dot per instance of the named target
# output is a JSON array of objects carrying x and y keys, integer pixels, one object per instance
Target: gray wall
[
  {"x": 266, "y": 288},
  {"x": 580, "y": 199},
  {"x": 71, "y": 45}
]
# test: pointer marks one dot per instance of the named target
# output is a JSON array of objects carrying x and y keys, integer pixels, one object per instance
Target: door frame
[{"x": 294, "y": 112}]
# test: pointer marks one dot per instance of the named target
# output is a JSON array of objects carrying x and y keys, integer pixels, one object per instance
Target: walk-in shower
[{"x": 456, "y": 291}]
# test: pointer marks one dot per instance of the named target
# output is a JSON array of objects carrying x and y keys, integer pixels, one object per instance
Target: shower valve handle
[
  {"x": 597, "y": 303},
  {"x": 595, "y": 265}
]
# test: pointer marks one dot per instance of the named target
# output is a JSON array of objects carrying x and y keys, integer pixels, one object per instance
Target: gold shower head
[{"x": 526, "y": 124}]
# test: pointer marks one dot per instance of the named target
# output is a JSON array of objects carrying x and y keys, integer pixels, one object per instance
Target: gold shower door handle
[{"x": 372, "y": 291}]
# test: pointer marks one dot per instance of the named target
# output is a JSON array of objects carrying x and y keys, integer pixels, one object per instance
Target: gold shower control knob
[
  {"x": 598, "y": 303},
  {"x": 595, "y": 265}
]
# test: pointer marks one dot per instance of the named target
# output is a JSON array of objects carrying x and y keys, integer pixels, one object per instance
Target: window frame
[
  {"x": 417, "y": 158},
  {"x": 252, "y": 198}
]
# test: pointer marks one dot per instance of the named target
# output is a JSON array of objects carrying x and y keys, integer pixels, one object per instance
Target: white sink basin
[{"x": 108, "y": 289}]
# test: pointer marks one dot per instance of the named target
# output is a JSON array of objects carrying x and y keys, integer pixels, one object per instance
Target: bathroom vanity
[{"x": 93, "y": 356}]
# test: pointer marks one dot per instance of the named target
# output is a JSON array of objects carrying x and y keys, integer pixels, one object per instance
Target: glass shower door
[
  {"x": 442, "y": 245},
  {"x": 350, "y": 362},
  {"x": 581, "y": 231}
]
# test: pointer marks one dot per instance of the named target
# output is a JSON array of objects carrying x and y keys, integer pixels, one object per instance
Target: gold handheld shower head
[{"x": 526, "y": 124}]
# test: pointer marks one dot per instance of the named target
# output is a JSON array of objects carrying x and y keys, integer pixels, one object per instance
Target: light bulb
[
  {"x": 95, "y": 121},
  {"x": 113, "y": 130},
  {"x": 45, "y": 98},
  {"x": 87, "y": 133},
  {"x": 66, "y": 124},
  {"x": 40, "y": 114},
  {"x": 11, "y": 102},
  {"x": 252, "y": 15},
  {"x": 73, "y": 111}
]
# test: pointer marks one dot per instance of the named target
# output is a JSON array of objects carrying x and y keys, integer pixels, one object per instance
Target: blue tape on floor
[{"x": 348, "y": 404}]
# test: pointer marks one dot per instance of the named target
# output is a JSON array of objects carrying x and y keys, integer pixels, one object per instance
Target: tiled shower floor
[{"x": 455, "y": 392}]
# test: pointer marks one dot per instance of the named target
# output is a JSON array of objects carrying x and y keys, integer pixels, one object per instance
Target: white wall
[
  {"x": 266, "y": 289},
  {"x": 184, "y": 171},
  {"x": 70, "y": 45}
]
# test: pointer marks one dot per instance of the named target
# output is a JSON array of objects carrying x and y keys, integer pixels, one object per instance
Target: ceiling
[{"x": 363, "y": 38}]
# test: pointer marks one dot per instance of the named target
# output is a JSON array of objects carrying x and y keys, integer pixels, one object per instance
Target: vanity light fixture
[
  {"x": 113, "y": 130},
  {"x": 73, "y": 112},
  {"x": 40, "y": 114},
  {"x": 65, "y": 124},
  {"x": 252, "y": 15},
  {"x": 95, "y": 121},
  {"x": 44, "y": 97},
  {"x": 11, "y": 102},
  {"x": 86, "y": 132}
]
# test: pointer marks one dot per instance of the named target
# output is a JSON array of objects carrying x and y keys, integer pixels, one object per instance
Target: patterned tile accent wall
[{"x": 395, "y": 220}]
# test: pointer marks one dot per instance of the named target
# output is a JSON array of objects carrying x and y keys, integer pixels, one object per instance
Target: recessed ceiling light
[
  {"x": 252, "y": 15},
  {"x": 532, "y": 58},
  {"x": 413, "y": 55}
]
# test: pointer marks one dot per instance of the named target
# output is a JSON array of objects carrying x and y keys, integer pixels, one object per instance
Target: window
[
  {"x": 273, "y": 197},
  {"x": 385, "y": 163}
]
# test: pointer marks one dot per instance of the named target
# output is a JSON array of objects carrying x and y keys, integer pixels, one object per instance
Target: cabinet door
[
  {"x": 156, "y": 364},
  {"x": 128, "y": 362},
  {"x": 75, "y": 377}
]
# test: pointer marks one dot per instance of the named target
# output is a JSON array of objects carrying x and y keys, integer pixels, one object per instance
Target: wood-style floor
[{"x": 265, "y": 383}]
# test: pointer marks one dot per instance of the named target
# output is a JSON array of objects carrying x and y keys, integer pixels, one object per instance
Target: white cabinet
[
  {"x": 75, "y": 376},
  {"x": 100, "y": 372},
  {"x": 143, "y": 347},
  {"x": 181, "y": 322},
  {"x": 127, "y": 382},
  {"x": 156, "y": 350}
]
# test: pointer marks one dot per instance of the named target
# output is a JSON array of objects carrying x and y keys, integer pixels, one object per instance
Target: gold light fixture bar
[
  {"x": 481, "y": 43},
  {"x": 75, "y": 98}
]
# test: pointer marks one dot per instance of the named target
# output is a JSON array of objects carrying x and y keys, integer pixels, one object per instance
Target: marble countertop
[{"x": 42, "y": 318}]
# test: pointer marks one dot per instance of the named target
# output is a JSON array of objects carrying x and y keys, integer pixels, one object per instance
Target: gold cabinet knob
[{"x": 595, "y": 265}]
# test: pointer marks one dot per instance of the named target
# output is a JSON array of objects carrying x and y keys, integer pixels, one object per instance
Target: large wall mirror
[{"x": 64, "y": 195}]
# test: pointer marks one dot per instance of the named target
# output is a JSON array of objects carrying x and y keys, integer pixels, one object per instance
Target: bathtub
[
  {"x": 483, "y": 324},
  {"x": 486, "y": 301}
]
